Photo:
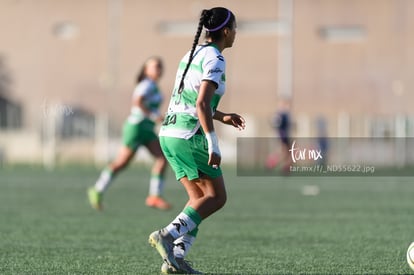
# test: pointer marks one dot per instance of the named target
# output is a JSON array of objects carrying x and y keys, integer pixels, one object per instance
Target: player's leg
[
  {"x": 206, "y": 195},
  {"x": 156, "y": 188},
  {"x": 181, "y": 248},
  {"x": 273, "y": 159},
  {"x": 126, "y": 153},
  {"x": 95, "y": 193},
  {"x": 205, "y": 188},
  {"x": 174, "y": 241},
  {"x": 185, "y": 222},
  {"x": 204, "y": 185},
  {"x": 210, "y": 181},
  {"x": 121, "y": 161},
  {"x": 179, "y": 155},
  {"x": 287, "y": 160},
  {"x": 163, "y": 240}
]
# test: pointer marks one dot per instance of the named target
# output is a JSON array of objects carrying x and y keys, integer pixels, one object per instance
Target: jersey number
[{"x": 171, "y": 119}]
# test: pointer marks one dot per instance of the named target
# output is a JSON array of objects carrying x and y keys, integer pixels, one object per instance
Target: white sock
[
  {"x": 180, "y": 225},
  {"x": 156, "y": 185},
  {"x": 182, "y": 245},
  {"x": 104, "y": 181}
]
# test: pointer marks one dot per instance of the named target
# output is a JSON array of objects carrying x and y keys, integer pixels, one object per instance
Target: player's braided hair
[
  {"x": 214, "y": 20},
  {"x": 203, "y": 17}
]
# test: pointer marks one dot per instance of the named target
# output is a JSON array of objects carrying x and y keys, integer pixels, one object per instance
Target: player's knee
[
  {"x": 118, "y": 166},
  {"x": 220, "y": 200}
]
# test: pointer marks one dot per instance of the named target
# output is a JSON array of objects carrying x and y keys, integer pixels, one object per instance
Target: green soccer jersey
[{"x": 181, "y": 120}]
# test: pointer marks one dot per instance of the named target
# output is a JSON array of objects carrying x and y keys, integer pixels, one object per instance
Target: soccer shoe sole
[{"x": 166, "y": 269}]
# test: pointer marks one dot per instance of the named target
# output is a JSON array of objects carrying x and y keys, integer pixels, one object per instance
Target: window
[
  {"x": 10, "y": 114},
  {"x": 65, "y": 30},
  {"x": 78, "y": 123}
]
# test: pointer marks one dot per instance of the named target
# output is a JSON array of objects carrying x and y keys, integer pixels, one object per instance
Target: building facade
[{"x": 68, "y": 68}]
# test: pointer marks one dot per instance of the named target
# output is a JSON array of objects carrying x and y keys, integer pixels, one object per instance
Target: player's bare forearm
[
  {"x": 205, "y": 117},
  {"x": 219, "y": 116},
  {"x": 155, "y": 116}
]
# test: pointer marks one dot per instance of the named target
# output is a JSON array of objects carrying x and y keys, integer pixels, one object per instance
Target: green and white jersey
[
  {"x": 181, "y": 120},
  {"x": 148, "y": 89}
]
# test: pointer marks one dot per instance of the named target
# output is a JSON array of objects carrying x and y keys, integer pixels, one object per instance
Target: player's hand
[
  {"x": 235, "y": 120},
  {"x": 214, "y": 160},
  {"x": 214, "y": 155}
]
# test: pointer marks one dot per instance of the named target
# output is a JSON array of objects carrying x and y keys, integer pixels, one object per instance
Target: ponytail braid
[{"x": 204, "y": 15}]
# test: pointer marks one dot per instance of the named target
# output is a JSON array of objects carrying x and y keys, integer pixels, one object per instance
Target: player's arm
[
  {"x": 205, "y": 116},
  {"x": 139, "y": 102},
  {"x": 230, "y": 119}
]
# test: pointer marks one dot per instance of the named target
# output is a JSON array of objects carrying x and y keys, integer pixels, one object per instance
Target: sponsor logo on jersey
[{"x": 215, "y": 71}]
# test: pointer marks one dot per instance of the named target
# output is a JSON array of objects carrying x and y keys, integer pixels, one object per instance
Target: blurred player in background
[
  {"x": 139, "y": 130},
  {"x": 188, "y": 139},
  {"x": 282, "y": 124},
  {"x": 322, "y": 139}
]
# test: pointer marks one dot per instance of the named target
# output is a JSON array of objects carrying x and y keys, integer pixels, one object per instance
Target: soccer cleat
[
  {"x": 164, "y": 244},
  {"x": 166, "y": 269},
  {"x": 157, "y": 202},
  {"x": 95, "y": 198},
  {"x": 185, "y": 268}
]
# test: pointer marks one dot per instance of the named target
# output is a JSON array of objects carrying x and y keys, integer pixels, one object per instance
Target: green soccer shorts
[
  {"x": 188, "y": 158},
  {"x": 134, "y": 135}
]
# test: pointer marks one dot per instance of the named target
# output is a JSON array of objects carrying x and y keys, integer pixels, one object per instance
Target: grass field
[{"x": 354, "y": 226}]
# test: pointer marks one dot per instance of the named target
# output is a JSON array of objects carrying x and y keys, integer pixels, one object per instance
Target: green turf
[{"x": 354, "y": 226}]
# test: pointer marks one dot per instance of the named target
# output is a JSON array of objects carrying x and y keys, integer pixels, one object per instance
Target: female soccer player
[
  {"x": 139, "y": 130},
  {"x": 188, "y": 139}
]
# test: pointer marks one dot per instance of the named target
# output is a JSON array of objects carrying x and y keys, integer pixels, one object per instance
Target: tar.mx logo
[{"x": 304, "y": 153}]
